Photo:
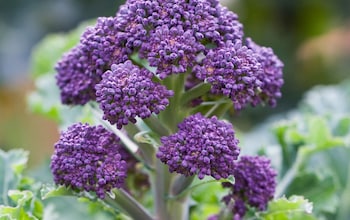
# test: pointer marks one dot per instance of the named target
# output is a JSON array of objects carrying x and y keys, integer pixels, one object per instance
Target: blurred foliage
[
  {"x": 24, "y": 23},
  {"x": 295, "y": 22},
  {"x": 18, "y": 193},
  {"x": 291, "y": 28},
  {"x": 45, "y": 100},
  {"x": 21, "y": 195},
  {"x": 296, "y": 207},
  {"x": 312, "y": 144}
]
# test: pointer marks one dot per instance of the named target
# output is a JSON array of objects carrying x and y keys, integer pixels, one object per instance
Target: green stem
[
  {"x": 145, "y": 150},
  {"x": 195, "y": 92},
  {"x": 156, "y": 125},
  {"x": 344, "y": 211},
  {"x": 179, "y": 209},
  {"x": 129, "y": 144},
  {"x": 122, "y": 201},
  {"x": 180, "y": 184},
  {"x": 219, "y": 109},
  {"x": 174, "y": 113},
  {"x": 161, "y": 184},
  {"x": 291, "y": 173},
  {"x": 191, "y": 188}
]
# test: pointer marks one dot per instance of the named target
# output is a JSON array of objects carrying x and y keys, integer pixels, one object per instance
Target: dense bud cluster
[
  {"x": 88, "y": 158},
  {"x": 203, "y": 146},
  {"x": 124, "y": 63},
  {"x": 82, "y": 67},
  {"x": 271, "y": 75},
  {"x": 254, "y": 185},
  {"x": 232, "y": 71},
  {"x": 202, "y": 38},
  {"x": 126, "y": 92}
]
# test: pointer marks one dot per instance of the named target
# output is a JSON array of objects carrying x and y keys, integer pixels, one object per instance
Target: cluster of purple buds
[
  {"x": 82, "y": 67},
  {"x": 202, "y": 146},
  {"x": 89, "y": 158},
  {"x": 126, "y": 92},
  {"x": 123, "y": 63},
  {"x": 201, "y": 38},
  {"x": 255, "y": 183}
]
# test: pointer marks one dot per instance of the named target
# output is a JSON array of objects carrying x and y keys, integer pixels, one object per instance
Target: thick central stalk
[{"x": 162, "y": 181}]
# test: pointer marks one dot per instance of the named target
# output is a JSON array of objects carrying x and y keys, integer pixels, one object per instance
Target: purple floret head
[
  {"x": 201, "y": 146},
  {"x": 88, "y": 158},
  {"x": 127, "y": 91},
  {"x": 255, "y": 183}
]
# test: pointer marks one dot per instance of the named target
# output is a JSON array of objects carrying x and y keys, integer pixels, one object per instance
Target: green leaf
[
  {"x": 46, "y": 99},
  {"x": 319, "y": 132},
  {"x": 210, "y": 192},
  {"x": 20, "y": 197},
  {"x": 12, "y": 164},
  {"x": 294, "y": 208},
  {"x": 204, "y": 211},
  {"x": 320, "y": 190},
  {"x": 344, "y": 211},
  {"x": 324, "y": 100},
  {"x": 343, "y": 126},
  {"x": 26, "y": 206},
  {"x": 38, "y": 209},
  {"x": 49, "y": 190},
  {"x": 7, "y": 212}
]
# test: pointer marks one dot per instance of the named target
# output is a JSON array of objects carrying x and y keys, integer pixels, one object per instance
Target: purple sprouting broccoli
[
  {"x": 232, "y": 71},
  {"x": 202, "y": 146},
  {"x": 201, "y": 38},
  {"x": 81, "y": 69},
  {"x": 175, "y": 54},
  {"x": 87, "y": 158},
  {"x": 126, "y": 92},
  {"x": 171, "y": 50},
  {"x": 271, "y": 75},
  {"x": 255, "y": 183}
]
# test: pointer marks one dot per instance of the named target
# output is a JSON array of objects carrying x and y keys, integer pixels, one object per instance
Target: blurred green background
[{"x": 311, "y": 37}]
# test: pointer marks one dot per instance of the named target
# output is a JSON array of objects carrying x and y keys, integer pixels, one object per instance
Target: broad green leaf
[
  {"x": 320, "y": 190},
  {"x": 25, "y": 208},
  {"x": 320, "y": 135},
  {"x": 319, "y": 132},
  {"x": 20, "y": 197},
  {"x": 46, "y": 101},
  {"x": 203, "y": 211},
  {"x": 69, "y": 207},
  {"x": 49, "y": 190},
  {"x": 38, "y": 209},
  {"x": 206, "y": 198},
  {"x": 323, "y": 100},
  {"x": 294, "y": 208},
  {"x": 58, "y": 207},
  {"x": 63, "y": 205},
  {"x": 210, "y": 192},
  {"x": 344, "y": 211},
  {"x": 294, "y": 136},
  {"x": 7, "y": 212},
  {"x": 343, "y": 126},
  {"x": 12, "y": 164},
  {"x": 337, "y": 159}
]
